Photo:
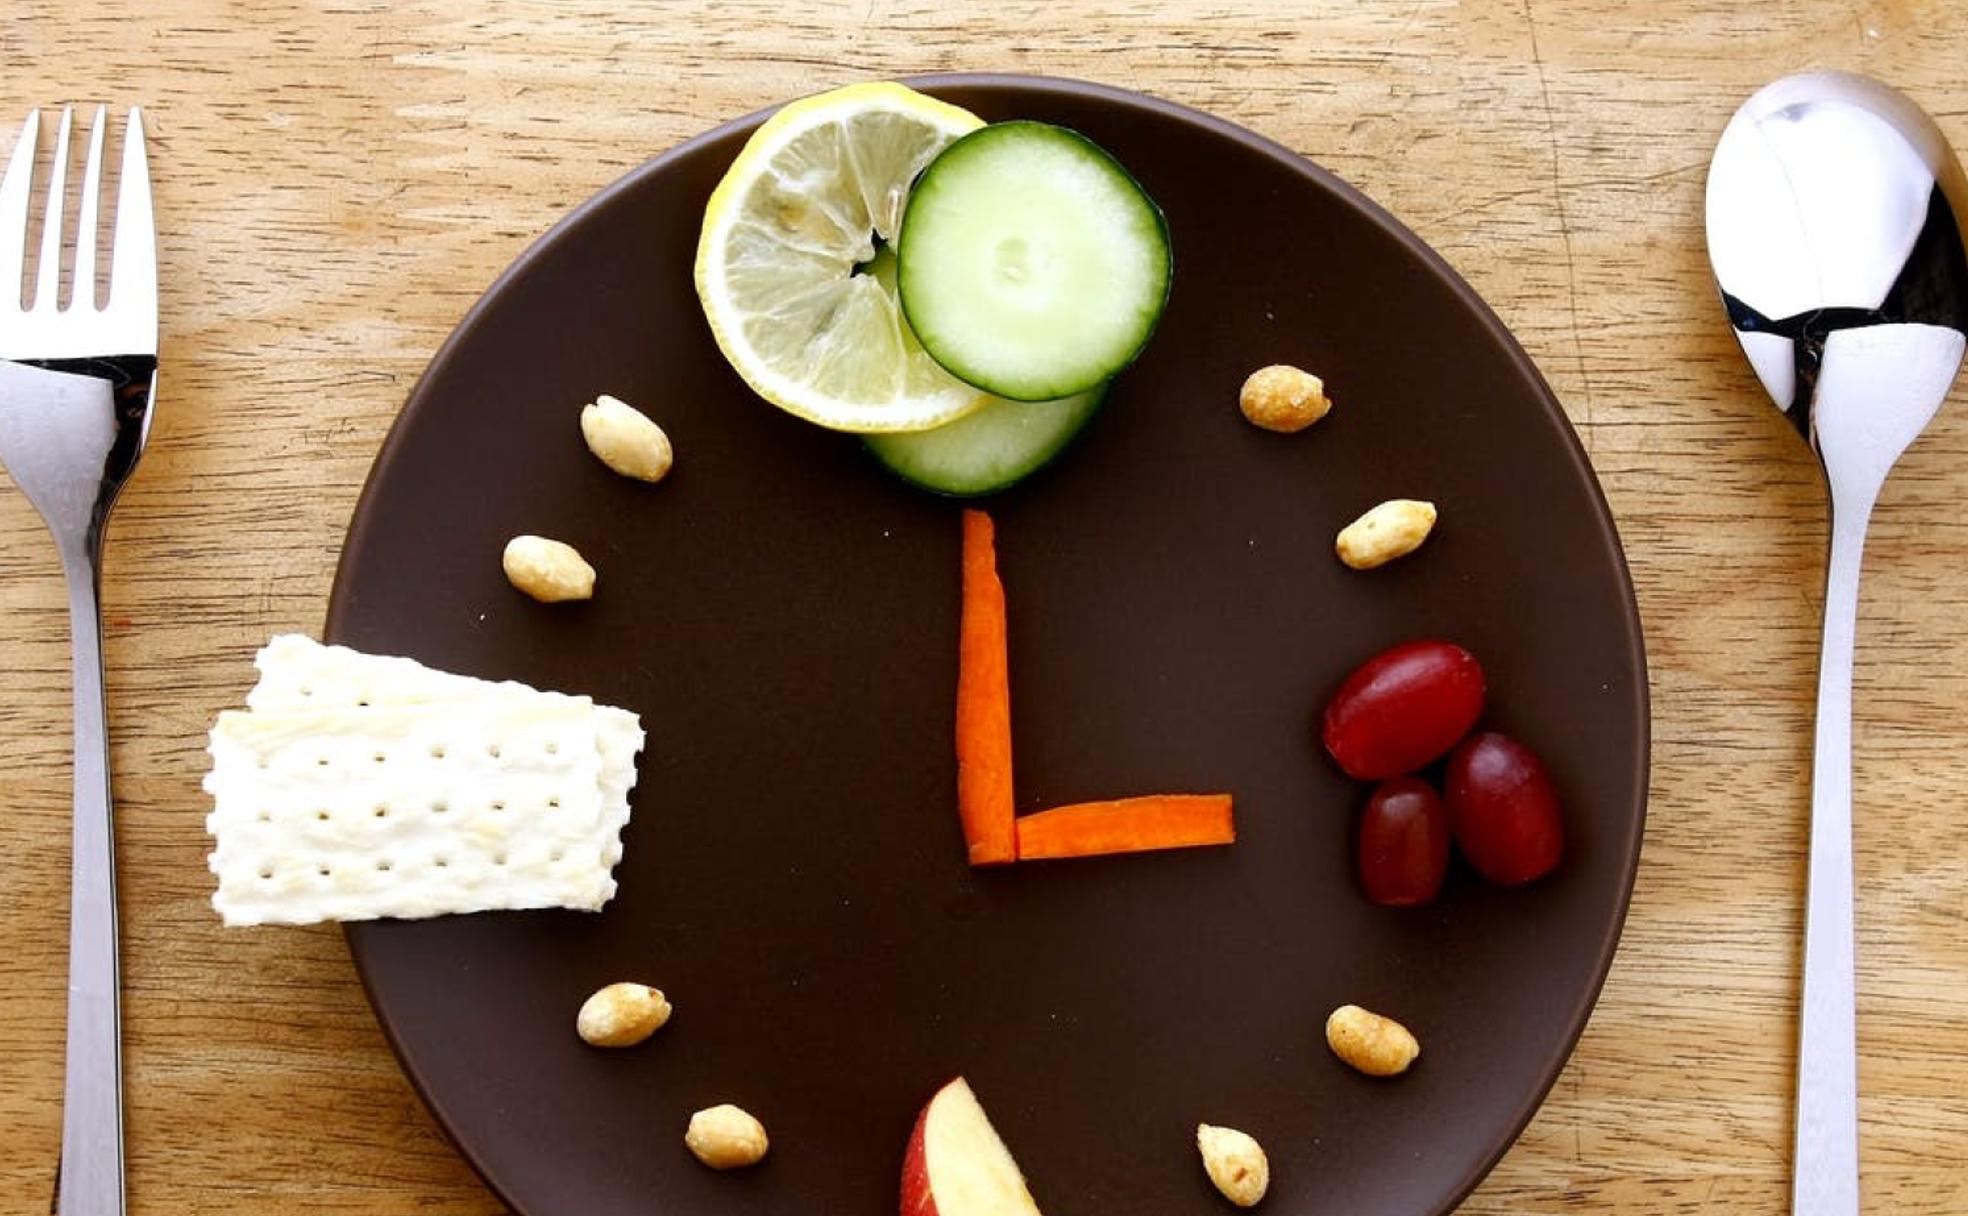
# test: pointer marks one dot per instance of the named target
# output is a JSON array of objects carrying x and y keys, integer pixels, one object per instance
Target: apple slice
[{"x": 956, "y": 1164}]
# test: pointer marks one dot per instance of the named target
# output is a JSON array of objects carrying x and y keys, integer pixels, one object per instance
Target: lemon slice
[{"x": 788, "y": 268}]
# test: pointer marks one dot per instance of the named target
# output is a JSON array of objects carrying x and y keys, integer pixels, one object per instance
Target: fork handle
[
  {"x": 92, "y": 1099},
  {"x": 1825, "y": 1164}
]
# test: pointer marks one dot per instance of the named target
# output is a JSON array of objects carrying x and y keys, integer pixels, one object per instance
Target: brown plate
[{"x": 783, "y": 616}]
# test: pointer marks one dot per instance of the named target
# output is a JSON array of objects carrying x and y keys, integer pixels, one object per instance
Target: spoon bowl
[{"x": 1834, "y": 229}]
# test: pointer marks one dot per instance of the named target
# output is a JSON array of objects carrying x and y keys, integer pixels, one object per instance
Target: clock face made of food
[{"x": 1052, "y": 745}]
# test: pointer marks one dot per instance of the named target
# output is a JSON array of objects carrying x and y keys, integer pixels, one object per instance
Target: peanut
[
  {"x": 1393, "y": 529},
  {"x": 1235, "y": 1163},
  {"x": 1282, "y": 398},
  {"x": 625, "y": 440},
  {"x": 547, "y": 570},
  {"x": 622, "y": 1015},
  {"x": 725, "y": 1137},
  {"x": 1376, "y": 1045}
]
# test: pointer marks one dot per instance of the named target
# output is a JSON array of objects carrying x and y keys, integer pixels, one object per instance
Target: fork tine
[
  {"x": 49, "y": 280},
  {"x": 133, "y": 259},
  {"x": 14, "y": 191},
  {"x": 83, "y": 287}
]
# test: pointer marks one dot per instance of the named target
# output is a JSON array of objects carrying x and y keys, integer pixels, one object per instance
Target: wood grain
[{"x": 337, "y": 181}]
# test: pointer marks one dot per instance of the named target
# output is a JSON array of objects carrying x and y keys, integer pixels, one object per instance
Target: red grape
[
  {"x": 1403, "y": 708},
  {"x": 1503, "y": 809},
  {"x": 1404, "y": 843}
]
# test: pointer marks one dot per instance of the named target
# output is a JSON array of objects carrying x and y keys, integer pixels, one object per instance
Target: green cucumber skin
[
  {"x": 1053, "y": 390},
  {"x": 902, "y": 454}
]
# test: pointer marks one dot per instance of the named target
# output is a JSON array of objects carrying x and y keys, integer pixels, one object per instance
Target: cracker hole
[
  {"x": 440, "y": 807},
  {"x": 382, "y": 811},
  {"x": 307, "y": 690},
  {"x": 492, "y": 750},
  {"x": 437, "y": 751},
  {"x": 556, "y": 855},
  {"x": 321, "y": 761},
  {"x": 384, "y": 866},
  {"x": 441, "y": 863},
  {"x": 499, "y": 859},
  {"x": 266, "y": 871},
  {"x": 325, "y": 871},
  {"x": 380, "y": 757},
  {"x": 322, "y": 816},
  {"x": 265, "y": 816},
  {"x": 498, "y": 804},
  {"x": 554, "y": 802}
]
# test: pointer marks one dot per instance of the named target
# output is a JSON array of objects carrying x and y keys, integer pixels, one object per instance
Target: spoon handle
[{"x": 1825, "y": 1169}]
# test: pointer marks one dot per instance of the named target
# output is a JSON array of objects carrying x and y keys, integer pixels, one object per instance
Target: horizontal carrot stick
[
  {"x": 1126, "y": 825},
  {"x": 984, "y": 793}
]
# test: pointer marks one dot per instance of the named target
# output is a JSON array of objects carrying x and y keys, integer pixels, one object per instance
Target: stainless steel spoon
[{"x": 1834, "y": 208}]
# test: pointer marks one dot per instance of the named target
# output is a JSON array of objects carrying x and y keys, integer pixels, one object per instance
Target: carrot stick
[
  {"x": 1126, "y": 825},
  {"x": 984, "y": 795}
]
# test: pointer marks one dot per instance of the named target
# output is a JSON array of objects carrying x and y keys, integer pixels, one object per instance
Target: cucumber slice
[
  {"x": 1031, "y": 264},
  {"x": 988, "y": 449}
]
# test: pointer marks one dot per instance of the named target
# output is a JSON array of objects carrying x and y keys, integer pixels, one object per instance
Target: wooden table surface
[{"x": 338, "y": 181}]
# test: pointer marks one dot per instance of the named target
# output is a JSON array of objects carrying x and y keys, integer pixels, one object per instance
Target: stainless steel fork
[{"x": 75, "y": 391}]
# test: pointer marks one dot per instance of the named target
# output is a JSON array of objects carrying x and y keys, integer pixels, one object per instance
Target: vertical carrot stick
[{"x": 984, "y": 793}]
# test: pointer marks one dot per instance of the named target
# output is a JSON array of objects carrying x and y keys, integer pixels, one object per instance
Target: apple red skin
[
  {"x": 997, "y": 1190},
  {"x": 916, "y": 1197},
  {"x": 1403, "y": 708},
  {"x": 1503, "y": 809}
]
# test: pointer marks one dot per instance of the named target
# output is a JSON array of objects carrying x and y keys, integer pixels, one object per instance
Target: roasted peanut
[
  {"x": 725, "y": 1137},
  {"x": 1235, "y": 1163},
  {"x": 1393, "y": 529},
  {"x": 622, "y": 1015},
  {"x": 1283, "y": 398},
  {"x": 547, "y": 570},
  {"x": 1376, "y": 1045},
  {"x": 625, "y": 440}
]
